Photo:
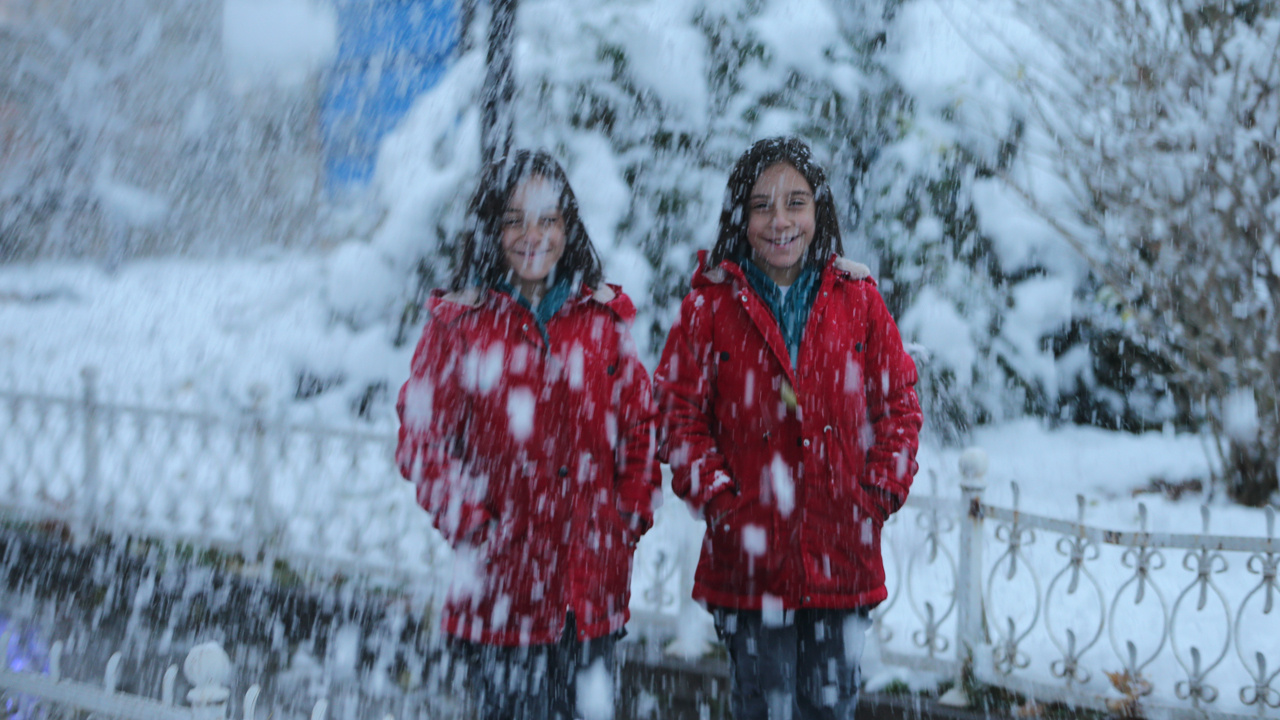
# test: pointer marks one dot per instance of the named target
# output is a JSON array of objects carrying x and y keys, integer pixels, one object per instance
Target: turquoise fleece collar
[
  {"x": 551, "y": 302},
  {"x": 790, "y": 312}
]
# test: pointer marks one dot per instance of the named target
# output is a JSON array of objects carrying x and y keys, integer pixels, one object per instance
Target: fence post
[
  {"x": 970, "y": 636},
  {"x": 259, "y": 475},
  {"x": 89, "y": 409}
]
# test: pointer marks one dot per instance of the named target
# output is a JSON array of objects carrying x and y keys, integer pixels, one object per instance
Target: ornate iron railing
[
  {"x": 1063, "y": 611},
  {"x": 322, "y": 499},
  {"x": 326, "y": 501},
  {"x": 1059, "y": 610}
]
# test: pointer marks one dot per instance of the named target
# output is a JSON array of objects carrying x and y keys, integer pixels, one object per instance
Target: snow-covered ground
[{"x": 203, "y": 333}]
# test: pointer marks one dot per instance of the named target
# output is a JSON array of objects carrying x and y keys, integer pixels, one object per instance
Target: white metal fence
[
  {"x": 1182, "y": 624},
  {"x": 1173, "y": 625},
  {"x": 322, "y": 499},
  {"x": 326, "y": 501}
]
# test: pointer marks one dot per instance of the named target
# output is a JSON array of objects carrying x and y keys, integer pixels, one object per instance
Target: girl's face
[
  {"x": 533, "y": 231},
  {"x": 781, "y": 217}
]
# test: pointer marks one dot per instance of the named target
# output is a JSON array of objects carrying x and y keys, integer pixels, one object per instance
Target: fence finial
[
  {"x": 208, "y": 669},
  {"x": 55, "y": 661},
  {"x": 971, "y": 640},
  {"x": 251, "y": 702},
  {"x": 973, "y": 466},
  {"x": 167, "y": 685},
  {"x": 264, "y": 521},
  {"x": 89, "y": 406},
  {"x": 112, "y": 678}
]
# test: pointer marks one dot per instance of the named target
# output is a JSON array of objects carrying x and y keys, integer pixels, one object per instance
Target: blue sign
[{"x": 389, "y": 52}]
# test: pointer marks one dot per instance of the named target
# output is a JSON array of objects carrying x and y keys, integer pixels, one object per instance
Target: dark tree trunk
[
  {"x": 499, "y": 86},
  {"x": 1251, "y": 474}
]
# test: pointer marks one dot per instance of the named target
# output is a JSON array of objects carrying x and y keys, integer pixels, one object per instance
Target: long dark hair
[
  {"x": 732, "y": 241},
  {"x": 480, "y": 258}
]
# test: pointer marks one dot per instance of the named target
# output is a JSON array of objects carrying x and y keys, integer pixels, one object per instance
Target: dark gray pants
[
  {"x": 797, "y": 665},
  {"x": 538, "y": 682}
]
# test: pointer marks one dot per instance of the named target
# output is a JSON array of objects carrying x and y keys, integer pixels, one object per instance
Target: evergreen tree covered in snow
[
  {"x": 984, "y": 297},
  {"x": 944, "y": 280},
  {"x": 649, "y": 104}
]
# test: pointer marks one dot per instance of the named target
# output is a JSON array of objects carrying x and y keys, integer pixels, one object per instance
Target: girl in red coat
[
  {"x": 790, "y": 421},
  {"x": 527, "y": 426}
]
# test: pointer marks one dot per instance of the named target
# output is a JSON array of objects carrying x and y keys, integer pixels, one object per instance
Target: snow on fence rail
[
  {"x": 1186, "y": 622},
  {"x": 207, "y": 669}
]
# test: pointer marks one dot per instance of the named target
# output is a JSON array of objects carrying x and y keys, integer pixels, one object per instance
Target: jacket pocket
[
  {"x": 743, "y": 536},
  {"x": 845, "y": 483},
  {"x": 720, "y": 505},
  {"x": 866, "y": 504},
  {"x": 622, "y": 525}
]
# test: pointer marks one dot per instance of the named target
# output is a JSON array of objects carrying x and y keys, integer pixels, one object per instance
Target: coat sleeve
[
  {"x": 432, "y": 408},
  {"x": 638, "y": 480},
  {"x": 684, "y": 385},
  {"x": 892, "y": 409}
]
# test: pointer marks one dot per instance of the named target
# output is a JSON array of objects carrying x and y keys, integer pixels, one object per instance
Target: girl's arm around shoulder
[{"x": 684, "y": 387}]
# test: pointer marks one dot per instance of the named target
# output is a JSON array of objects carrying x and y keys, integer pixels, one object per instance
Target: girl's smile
[
  {"x": 780, "y": 223},
  {"x": 533, "y": 234}
]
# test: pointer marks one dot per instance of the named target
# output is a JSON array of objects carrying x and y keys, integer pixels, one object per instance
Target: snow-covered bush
[
  {"x": 1157, "y": 123},
  {"x": 984, "y": 286}
]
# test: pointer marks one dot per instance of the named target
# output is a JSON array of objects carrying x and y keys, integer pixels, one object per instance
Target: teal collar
[
  {"x": 551, "y": 302},
  {"x": 791, "y": 311}
]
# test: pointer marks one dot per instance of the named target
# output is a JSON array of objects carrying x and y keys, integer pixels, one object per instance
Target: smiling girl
[
  {"x": 527, "y": 428},
  {"x": 790, "y": 421}
]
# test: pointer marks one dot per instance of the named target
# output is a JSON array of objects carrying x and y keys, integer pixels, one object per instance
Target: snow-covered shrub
[
  {"x": 943, "y": 281},
  {"x": 1158, "y": 123}
]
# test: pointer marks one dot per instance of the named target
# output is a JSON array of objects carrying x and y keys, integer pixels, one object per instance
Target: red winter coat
[
  {"x": 535, "y": 460},
  {"x": 795, "y": 470}
]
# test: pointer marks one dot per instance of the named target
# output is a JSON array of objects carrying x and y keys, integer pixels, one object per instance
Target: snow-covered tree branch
[{"x": 1162, "y": 119}]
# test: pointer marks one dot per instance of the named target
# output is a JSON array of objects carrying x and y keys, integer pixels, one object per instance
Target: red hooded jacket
[
  {"x": 534, "y": 459},
  {"x": 795, "y": 468}
]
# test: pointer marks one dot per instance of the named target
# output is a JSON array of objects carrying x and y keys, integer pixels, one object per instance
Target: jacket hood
[
  {"x": 727, "y": 269},
  {"x": 447, "y": 306}
]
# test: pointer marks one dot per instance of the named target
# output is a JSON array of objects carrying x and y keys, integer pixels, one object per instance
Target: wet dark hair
[
  {"x": 480, "y": 258},
  {"x": 732, "y": 241}
]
